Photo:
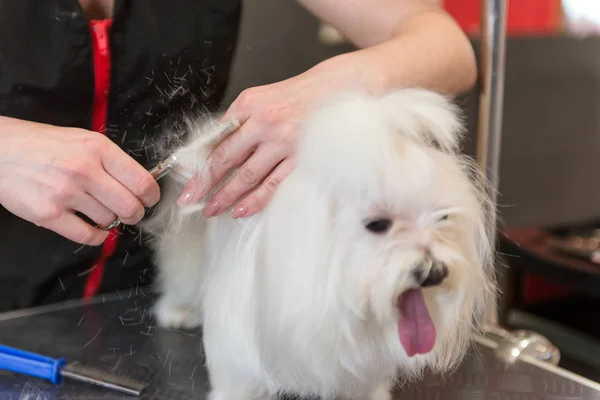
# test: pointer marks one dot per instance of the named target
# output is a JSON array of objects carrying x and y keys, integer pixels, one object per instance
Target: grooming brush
[{"x": 54, "y": 369}]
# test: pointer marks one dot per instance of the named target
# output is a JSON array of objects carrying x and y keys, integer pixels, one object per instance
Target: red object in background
[
  {"x": 102, "y": 72},
  {"x": 537, "y": 289},
  {"x": 525, "y": 17}
]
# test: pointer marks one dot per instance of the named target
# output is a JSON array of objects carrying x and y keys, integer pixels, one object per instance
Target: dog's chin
[{"x": 416, "y": 330}]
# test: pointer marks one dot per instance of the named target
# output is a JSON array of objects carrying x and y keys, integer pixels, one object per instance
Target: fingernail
[
  {"x": 211, "y": 209},
  {"x": 239, "y": 211},
  {"x": 191, "y": 193},
  {"x": 186, "y": 198}
]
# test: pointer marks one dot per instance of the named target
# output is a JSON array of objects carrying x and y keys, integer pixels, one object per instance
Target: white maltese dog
[{"x": 371, "y": 263}]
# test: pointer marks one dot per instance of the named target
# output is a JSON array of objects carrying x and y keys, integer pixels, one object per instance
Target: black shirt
[{"x": 166, "y": 59}]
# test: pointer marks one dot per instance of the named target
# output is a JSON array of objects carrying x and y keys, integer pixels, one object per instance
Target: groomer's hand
[
  {"x": 48, "y": 173},
  {"x": 264, "y": 146}
]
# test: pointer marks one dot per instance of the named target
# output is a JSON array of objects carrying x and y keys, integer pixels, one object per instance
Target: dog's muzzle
[{"x": 433, "y": 276}]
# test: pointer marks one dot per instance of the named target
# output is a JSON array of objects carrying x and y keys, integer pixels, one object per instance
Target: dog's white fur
[{"x": 301, "y": 297}]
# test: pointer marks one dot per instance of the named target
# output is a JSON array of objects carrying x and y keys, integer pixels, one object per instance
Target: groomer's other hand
[
  {"x": 263, "y": 147},
  {"x": 402, "y": 43},
  {"x": 48, "y": 173}
]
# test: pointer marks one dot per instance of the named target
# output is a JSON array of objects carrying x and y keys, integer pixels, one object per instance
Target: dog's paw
[
  {"x": 177, "y": 317},
  {"x": 381, "y": 392},
  {"x": 239, "y": 391},
  {"x": 214, "y": 395}
]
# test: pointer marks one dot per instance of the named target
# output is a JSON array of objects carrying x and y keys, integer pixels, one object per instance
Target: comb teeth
[{"x": 83, "y": 373}]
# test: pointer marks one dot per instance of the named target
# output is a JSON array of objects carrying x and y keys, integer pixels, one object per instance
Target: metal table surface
[{"x": 117, "y": 334}]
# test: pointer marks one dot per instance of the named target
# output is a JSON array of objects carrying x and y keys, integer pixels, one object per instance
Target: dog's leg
[
  {"x": 381, "y": 392},
  {"x": 237, "y": 392},
  {"x": 180, "y": 267},
  {"x": 173, "y": 313},
  {"x": 234, "y": 395},
  {"x": 180, "y": 231},
  {"x": 229, "y": 376}
]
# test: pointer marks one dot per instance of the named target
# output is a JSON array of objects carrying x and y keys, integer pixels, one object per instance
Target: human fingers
[
  {"x": 230, "y": 153},
  {"x": 131, "y": 175},
  {"x": 241, "y": 107},
  {"x": 259, "y": 198},
  {"x": 94, "y": 210},
  {"x": 118, "y": 199},
  {"x": 76, "y": 229},
  {"x": 252, "y": 172}
]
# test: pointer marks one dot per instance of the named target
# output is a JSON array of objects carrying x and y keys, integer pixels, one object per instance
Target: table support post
[{"x": 489, "y": 127}]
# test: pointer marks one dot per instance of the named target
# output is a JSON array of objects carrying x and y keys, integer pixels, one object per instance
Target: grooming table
[{"x": 118, "y": 334}]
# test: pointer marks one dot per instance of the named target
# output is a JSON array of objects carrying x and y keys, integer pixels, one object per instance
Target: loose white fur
[{"x": 302, "y": 298}]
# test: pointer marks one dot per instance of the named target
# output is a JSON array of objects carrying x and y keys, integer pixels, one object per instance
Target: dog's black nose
[{"x": 436, "y": 275}]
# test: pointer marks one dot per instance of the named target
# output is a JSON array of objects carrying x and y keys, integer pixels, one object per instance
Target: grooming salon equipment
[{"x": 55, "y": 369}]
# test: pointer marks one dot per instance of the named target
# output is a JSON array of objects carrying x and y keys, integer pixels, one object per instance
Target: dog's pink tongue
[{"x": 415, "y": 327}]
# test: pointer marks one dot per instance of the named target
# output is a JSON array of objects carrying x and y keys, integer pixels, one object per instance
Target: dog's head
[{"x": 387, "y": 224}]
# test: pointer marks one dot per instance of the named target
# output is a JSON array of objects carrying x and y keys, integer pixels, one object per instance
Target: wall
[
  {"x": 551, "y": 141},
  {"x": 524, "y": 17},
  {"x": 278, "y": 40}
]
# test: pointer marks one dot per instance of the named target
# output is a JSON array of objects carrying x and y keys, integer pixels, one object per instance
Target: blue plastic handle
[{"x": 32, "y": 364}]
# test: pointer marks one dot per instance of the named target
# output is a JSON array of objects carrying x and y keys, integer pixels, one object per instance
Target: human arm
[
  {"x": 47, "y": 173},
  {"x": 403, "y": 43}
]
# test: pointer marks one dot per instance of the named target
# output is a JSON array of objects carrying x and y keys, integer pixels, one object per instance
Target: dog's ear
[{"x": 426, "y": 117}]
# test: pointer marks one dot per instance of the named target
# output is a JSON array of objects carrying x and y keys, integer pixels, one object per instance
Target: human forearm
[
  {"x": 429, "y": 51},
  {"x": 406, "y": 43}
]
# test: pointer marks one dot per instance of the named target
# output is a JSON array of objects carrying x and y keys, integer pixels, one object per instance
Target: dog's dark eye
[
  {"x": 379, "y": 225},
  {"x": 444, "y": 218}
]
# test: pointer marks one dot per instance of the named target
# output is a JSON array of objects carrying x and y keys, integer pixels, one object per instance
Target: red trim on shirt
[{"x": 100, "y": 30}]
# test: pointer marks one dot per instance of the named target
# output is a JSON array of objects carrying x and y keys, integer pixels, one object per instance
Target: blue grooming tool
[{"x": 54, "y": 369}]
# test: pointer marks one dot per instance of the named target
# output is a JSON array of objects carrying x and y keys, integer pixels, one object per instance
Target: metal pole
[{"x": 489, "y": 129}]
